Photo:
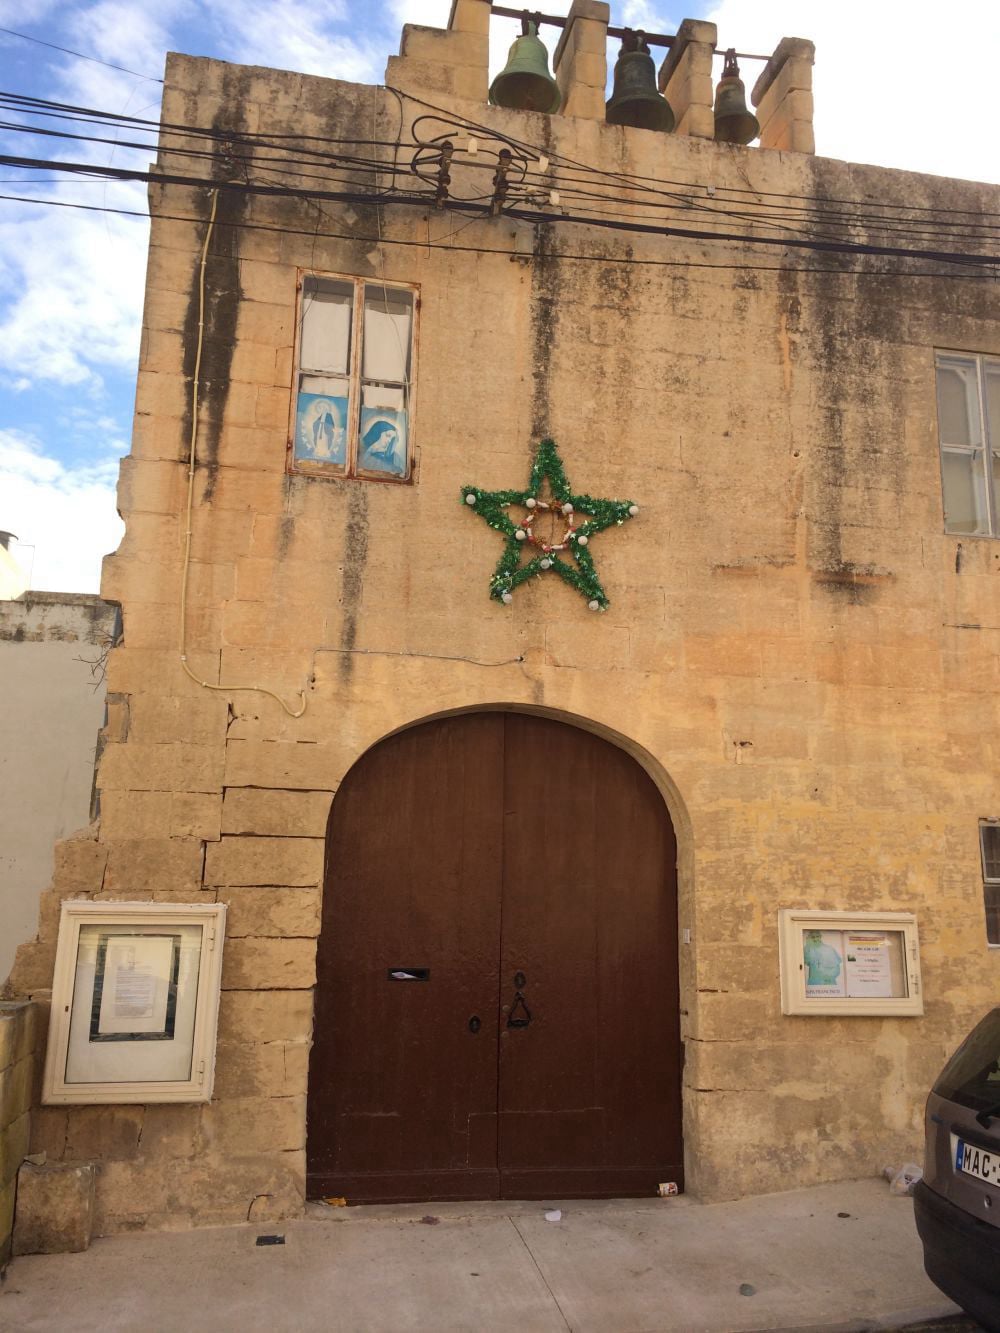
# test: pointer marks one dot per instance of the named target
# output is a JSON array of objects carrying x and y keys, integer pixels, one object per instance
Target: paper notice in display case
[{"x": 875, "y": 962}]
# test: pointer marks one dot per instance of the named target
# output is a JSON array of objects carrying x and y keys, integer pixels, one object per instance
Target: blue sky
[{"x": 71, "y": 282}]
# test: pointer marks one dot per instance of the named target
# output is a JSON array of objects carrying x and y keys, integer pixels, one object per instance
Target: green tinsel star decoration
[{"x": 566, "y": 509}]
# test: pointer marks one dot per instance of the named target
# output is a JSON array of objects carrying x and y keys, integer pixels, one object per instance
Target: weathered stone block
[
  {"x": 470, "y": 16},
  {"x": 249, "y": 964},
  {"x": 253, "y": 1125},
  {"x": 265, "y": 1016},
  {"x": 270, "y": 912},
  {"x": 79, "y": 864},
  {"x": 170, "y": 1132},
  {"x": 16, "y": 1082},
  {"x": 14, "y": 1140},
  {"x": 55, "y": 1208},
  {"x": 102, "y": 1133},
  {"x": 49, "y": 1126},
  {"x": 171, "y": 767},
  {"x": 276, "y": 813},
  {"x": 7, "y": 1193},
  {"x": 159, "y": 671},
  {"x": 143, "y": 865},
  {"x": 18, "y": 1031},
  {"x": 249, "y": 860},
  {"x": 276, "y": 1069},
  {"x": 170, "y": 718},
  {"x": 287, "y": 765}
]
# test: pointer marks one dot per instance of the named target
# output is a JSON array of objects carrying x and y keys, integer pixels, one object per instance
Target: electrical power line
[
  {"x": 438, "y": 244},
  {"x": 422, "y": 200},
  {"x": 808, "y": 227},
  {"x": 79, "y": 55}
]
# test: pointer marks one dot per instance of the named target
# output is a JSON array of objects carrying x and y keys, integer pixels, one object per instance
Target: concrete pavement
[{"x": 835, "y": 1257}]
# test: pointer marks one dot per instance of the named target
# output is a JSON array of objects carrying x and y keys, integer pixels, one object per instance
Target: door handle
[
  {"x": 475, "y": 1023},
  {"x": 520, "y": 1014}
]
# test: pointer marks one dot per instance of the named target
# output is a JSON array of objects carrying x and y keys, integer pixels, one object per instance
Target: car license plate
[{"x": 977, "y": 1162}]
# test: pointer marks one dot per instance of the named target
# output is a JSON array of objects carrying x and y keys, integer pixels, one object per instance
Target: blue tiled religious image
[
  {"x": 321, "y": 428},
  {"x": 383, "y": 440}
]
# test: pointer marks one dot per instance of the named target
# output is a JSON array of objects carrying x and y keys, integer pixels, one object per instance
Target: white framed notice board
[
  {"x": 846, "y": 963},
  {"x": 135, "y": 1003}
]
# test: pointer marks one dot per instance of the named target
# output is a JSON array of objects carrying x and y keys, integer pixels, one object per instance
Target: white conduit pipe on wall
[{"x": 192, "y": 463}]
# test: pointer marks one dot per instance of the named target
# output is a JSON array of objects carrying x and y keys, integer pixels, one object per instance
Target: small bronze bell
[
  {"x": 734, "y": 123},
  {"x": 634, "y": 99},
  {"x": 524, "y": 83}
]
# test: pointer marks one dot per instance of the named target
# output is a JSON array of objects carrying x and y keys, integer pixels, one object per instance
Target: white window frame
[
  {"x": 989, "y": 881},
  {"x": 793, "y": 923},
  {"x": 356, "y": 381},
  {"x": 145, "y": 918},
  {"x": 990, "y": 443}
]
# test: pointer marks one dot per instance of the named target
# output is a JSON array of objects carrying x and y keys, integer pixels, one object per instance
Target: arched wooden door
[{"x": 497, "y": 995}]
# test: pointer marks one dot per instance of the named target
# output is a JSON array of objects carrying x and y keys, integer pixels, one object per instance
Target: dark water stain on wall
[
  {"x": 615, "y": 288},
  {"x": 545, "y": 316},
  {"x": 222, "y": 286},
  {"x": 355, "y": 558}
]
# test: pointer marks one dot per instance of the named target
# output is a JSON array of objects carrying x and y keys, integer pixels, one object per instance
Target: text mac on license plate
[{"x": 977, "y": 1162}]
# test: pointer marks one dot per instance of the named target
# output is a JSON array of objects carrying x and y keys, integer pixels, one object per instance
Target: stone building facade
[{"x": 796, "y": 652}]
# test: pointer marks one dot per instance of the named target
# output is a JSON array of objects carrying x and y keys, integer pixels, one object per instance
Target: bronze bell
[
  {"x": 524, "y": 83},
  {"x": 734, "y": 123},
  {"x": 634, "y": 99}
]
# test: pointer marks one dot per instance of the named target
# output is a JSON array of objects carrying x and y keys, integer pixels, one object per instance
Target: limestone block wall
[
  {"x": 18, "y": 1039},
  {"x": 802, "y": 659}
]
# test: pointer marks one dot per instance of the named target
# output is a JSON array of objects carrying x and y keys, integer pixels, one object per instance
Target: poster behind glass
[
  {"x": 134, "y": 1002},
  {"x": 854, "y": 964},
  {"x": 382, "y": 443},
  {"x": 321, "y": 420}
]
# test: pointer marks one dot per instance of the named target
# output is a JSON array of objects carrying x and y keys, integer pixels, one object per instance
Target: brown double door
[{"x": 497, "y": 1000}]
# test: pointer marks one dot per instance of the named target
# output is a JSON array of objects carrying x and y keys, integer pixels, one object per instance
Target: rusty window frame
[{"x": 349, "y": 470}]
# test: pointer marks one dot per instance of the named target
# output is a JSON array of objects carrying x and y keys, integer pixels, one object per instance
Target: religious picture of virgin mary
[
  {"x": 320, "y": 434},
  {"x": 383, "y": 441}
]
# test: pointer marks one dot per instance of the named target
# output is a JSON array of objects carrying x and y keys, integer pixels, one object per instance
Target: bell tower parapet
[
  {"x": 581, "y": 59},
  {"x": 685, "y": 78},
  {"x": 783, "y": 97}
]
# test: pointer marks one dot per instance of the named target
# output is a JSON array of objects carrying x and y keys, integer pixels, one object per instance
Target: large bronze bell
[
  {"x": 634, "y": 100},
  {"x": 524, "y": 83},
  {"x": 734, "y": 122}
]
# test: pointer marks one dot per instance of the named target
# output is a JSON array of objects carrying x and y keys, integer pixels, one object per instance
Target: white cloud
[
  {"x": 896, "y": 83},
  {"x": 67, "y": 514},
  {"x": 314, "y": 39},
  {"x": 74, "y": 294}
]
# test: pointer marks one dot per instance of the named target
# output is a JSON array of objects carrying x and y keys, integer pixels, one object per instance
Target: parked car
[{"x": 957, "y": 1204}]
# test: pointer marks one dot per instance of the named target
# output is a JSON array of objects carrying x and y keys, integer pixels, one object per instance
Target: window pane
[
  {"x": 388, "y": 325},
  {"x": 964, "y": 492},
  {"x": 321, "y": 419},
  {"x": 958, "y": 401},
  {"x": 326, "y": 325},
  {"x": 382, "y": 445},
  {"x": 990, "y": 835},
  {"x": 992, "y": 376},
  {"x": 992, "y": 892}
]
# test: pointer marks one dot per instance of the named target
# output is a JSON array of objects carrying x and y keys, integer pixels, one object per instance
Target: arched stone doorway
[{"x": 497, "y": 990}]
